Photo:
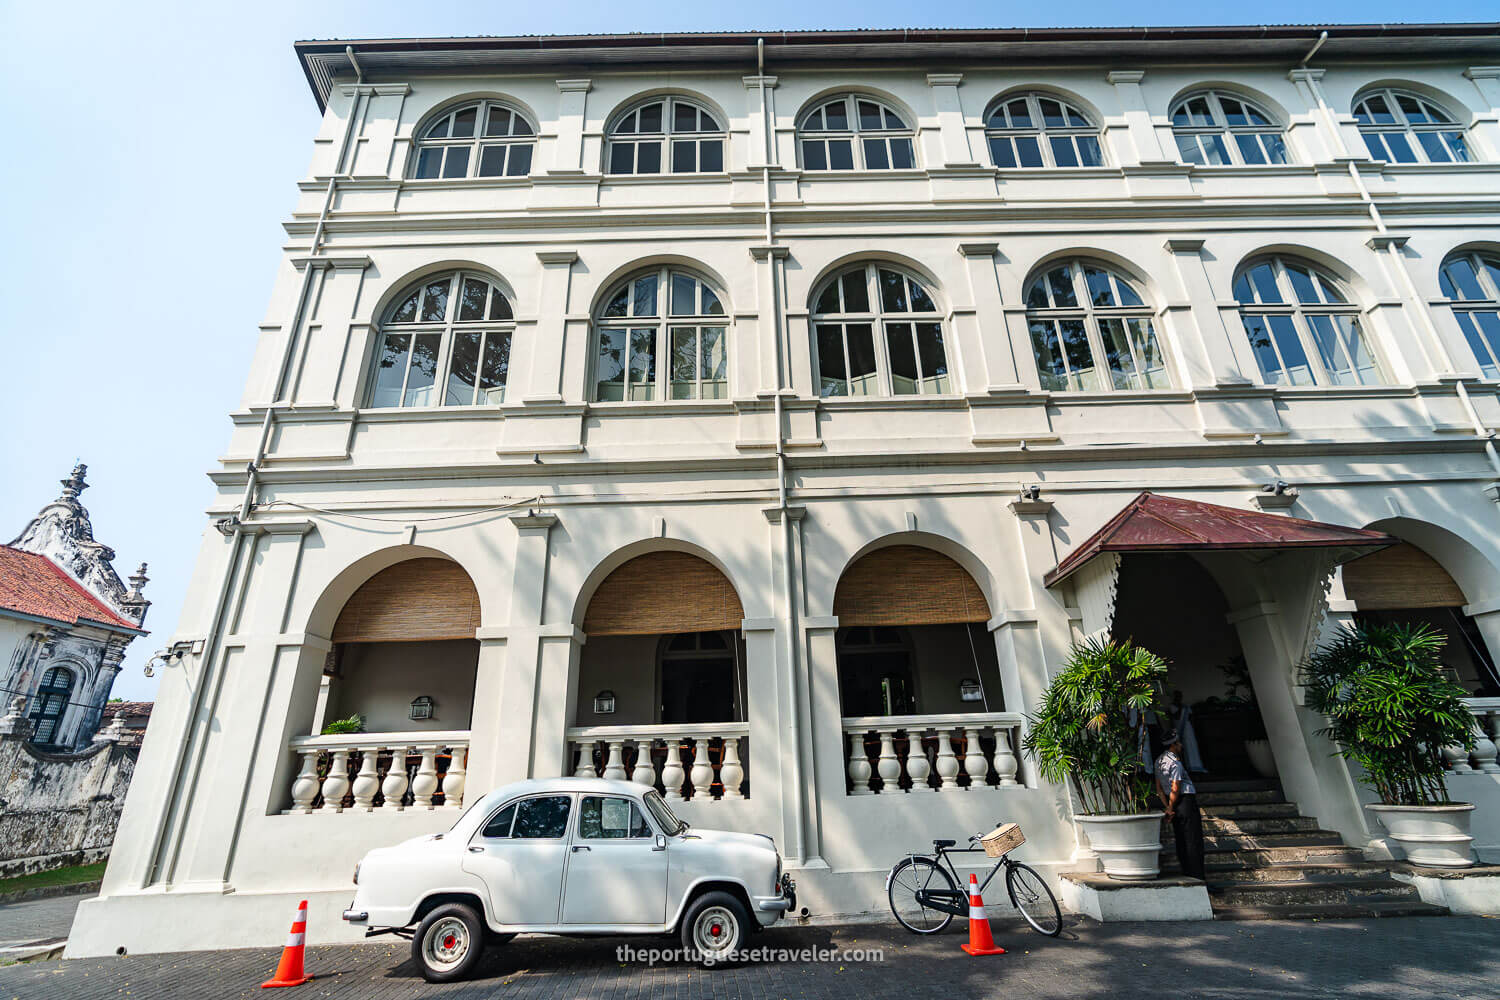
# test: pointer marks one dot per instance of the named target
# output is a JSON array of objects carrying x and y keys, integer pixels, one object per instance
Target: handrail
[
  {"x": 659, "y": 731},
  {"x": 934, "y": 721},
  {"x": 352, "y": 741}
]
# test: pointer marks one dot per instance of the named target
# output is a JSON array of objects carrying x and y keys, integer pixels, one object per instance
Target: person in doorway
[
  {"x": 1181, "y": 799},
  {"x": 1182, "y": 721}
]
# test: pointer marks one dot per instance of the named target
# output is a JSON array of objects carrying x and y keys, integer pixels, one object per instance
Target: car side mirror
[{"x": 661, "y": 842}]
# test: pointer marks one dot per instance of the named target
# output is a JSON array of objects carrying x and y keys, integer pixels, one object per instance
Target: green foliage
[
  {"x": 1390, "y": 708},
  {"x": 338, "y": 727},
  {"x": 1082, "y": 732}
]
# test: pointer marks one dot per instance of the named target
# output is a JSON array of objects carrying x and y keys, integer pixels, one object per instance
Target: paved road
[
  {"x": 1397, "y": 958},
  {"x": 37, "y": 920}
]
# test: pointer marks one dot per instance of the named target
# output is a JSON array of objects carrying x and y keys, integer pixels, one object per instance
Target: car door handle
[
  {"x": 475, "y": 849},
  {"x": 581, "y": 847}
]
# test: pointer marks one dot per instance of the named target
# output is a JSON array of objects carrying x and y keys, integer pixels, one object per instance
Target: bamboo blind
[
  {"x": 661, "y": 593},
  {"x": 412, "y": 601},
  {"x": 1402, "y": 576},
  {"x": 908, "y": 585}
]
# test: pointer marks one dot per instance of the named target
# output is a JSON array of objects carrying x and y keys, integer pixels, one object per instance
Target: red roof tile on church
[
  {"x": 1152, "y": 523},
  {"x": 33, "y": 585}
]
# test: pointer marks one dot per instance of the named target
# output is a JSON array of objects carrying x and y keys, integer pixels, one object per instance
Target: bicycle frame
[{"x": 953, "y": 901}]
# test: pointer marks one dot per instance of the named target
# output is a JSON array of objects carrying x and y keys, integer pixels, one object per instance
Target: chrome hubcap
[{"x": 716, "y": 931}]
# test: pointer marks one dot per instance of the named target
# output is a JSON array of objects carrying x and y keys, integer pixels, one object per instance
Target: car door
[
  {"x": 617, "y": 873},
  {"x": 520, "y": 853}
]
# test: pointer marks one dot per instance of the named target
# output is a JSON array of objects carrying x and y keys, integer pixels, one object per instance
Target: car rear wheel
[
  {"x": 715, "y": 928},
  {"x": 448, "y": 943}
]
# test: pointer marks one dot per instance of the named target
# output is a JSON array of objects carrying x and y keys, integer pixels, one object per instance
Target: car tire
[
  {"x": 448, "y": 943},
  {"x": 714, "y": 928}
]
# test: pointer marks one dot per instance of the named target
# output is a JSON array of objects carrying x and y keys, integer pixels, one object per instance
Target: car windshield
[{"x": 664, "y": 816}]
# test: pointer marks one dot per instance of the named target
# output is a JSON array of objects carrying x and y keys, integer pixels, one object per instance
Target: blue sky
[{"x": 153, "y": 155}]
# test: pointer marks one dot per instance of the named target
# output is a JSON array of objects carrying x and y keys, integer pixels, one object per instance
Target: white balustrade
[
  {"x": 920, "y": 753},
  {"x": 1486, "y": 713},
  {"x": 364, "y": 772},
  {"x": 698, "y": 760}
]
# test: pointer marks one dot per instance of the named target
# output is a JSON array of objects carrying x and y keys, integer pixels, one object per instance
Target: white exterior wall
[{"x": 204, "y": 817}]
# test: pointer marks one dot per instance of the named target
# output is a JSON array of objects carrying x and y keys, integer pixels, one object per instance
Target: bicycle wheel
[
  {"x": 1029, "y": 894},
  {"x": 908, "y": 877}
]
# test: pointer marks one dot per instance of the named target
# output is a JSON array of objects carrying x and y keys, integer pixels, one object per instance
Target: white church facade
[{"x": 733, "y": 414}]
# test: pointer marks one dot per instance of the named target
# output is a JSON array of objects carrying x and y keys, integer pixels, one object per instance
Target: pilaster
[
  {"x": 953, "y": 138},
  {"x": 567, "y": 153},
  {"x": 1484, "y": 132},
  {"x": 1145, "y": 147}
]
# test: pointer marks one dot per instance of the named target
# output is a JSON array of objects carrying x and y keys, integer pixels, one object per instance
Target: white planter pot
[
  {"x": 1129, "y": 847},
  {"x": 1261, "y": 757},
  {"x": 1434, "y": 836}
]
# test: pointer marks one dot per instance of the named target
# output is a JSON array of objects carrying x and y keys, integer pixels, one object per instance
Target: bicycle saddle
[{"x": 943, "y": 843}]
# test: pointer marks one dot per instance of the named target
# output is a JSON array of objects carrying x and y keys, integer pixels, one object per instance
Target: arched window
[
  {"x": 1403, "y": 128},
  {"x": 851, "y": 132},
  {"x": 1037, "y": 130},
  {"x": 50, "y": 704},
  {"x": 662, "y": 306},
  {"x": 1302, "y": 327},
  {"x": 694, "y": 137},
  {"x": 1081, "y": 311},
  {"x": 1216, "y": 128},
  {"x": 908, "y": 356},
  {"x": 480, "y": 139},
  {"x": 1472, "y": 281},
  {"x": 457, "y": 323}
]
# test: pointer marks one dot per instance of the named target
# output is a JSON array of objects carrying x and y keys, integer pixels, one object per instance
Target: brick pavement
[{"x": 1394, "y": 958}]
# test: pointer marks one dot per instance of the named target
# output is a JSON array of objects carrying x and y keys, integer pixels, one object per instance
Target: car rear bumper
[{"x": 772, "y": 908}]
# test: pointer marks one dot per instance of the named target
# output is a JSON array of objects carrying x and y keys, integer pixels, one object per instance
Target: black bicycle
[{"x": 925, "y": 895}]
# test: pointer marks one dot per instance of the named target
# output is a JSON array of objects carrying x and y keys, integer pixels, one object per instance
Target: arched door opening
[
  {"x": 391, "y": 723},
  {"x": 919, "y": 681},
  {"x": 661, "y": 680}
]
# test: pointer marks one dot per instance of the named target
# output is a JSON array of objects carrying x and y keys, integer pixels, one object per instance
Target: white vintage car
[{"x": 569, "y": 856}]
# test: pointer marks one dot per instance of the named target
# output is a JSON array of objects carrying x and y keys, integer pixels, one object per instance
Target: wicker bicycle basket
[{"x": 1001, "y": 839}]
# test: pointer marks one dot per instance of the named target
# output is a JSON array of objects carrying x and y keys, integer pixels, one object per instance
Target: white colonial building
[{"x": 714, "y": 410}]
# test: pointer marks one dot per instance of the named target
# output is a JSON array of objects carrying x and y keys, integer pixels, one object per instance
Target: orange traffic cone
[
  {"x": 981, "y": 941},
  {"x": 289, "y": 969}
]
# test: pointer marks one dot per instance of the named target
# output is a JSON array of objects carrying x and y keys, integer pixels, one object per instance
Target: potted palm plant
[
  {"x": 1082, "y": 735},
  {"x": 1391, "y": 709}
]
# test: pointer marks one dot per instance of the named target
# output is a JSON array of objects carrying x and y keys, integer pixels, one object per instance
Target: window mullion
[{"x": 1310, "y": 346}]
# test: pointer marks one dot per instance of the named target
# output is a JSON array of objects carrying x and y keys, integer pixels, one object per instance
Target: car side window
[
  {"x": 601, "y": 818},
  {"x": 544, "y": 818},
  {"x": 499, "y": 824}
]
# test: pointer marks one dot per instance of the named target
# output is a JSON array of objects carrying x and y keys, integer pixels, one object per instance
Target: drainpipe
[
  {"x": 164, "y": 850},
  {"x": 796, "y": 847},
  {"x": 1305, "y": 59}
]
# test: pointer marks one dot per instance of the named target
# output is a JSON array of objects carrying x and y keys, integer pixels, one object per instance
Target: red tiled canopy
[
  {"x": 1152, "y": 523},
  {"x": 33, "y": 585}
]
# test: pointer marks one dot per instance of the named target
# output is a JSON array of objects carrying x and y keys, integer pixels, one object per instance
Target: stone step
[
  {"x": 1249, "y": 810},
  {"x": 1331, "y": 911},
  {"x": 1264, "y": 857},
  {"x": 1355, "y": 891},
  {"x": 1294, "y": 871},
  {"x": 1251, "y": 842},
  {"x": 1206, "y": 799},
  {"x": 1205, "y": 786},
  {"x": 1217, "y": 826}
]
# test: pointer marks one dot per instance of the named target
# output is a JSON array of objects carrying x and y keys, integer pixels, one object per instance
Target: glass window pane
[
  {"x": 1060, "y": 280},
  {"x": 1259, "y": 335},
  {"x": 903, "y": 355},
  {"x": 499, "y": 305},
  {"x": 711, "y": 304},
  {"x": 892, "y": 291},
  {"x": 1214, "y": 149},
  {"x": 862, "y": 379},
  {"x": 643, "y": 364},
  {"x": 1089, "y": 152},
  {"x": 711, "y": 156},
  {"x": 837, "y": 115},
  {"x": 684, "y": 362},
  {"x": 492, "y": 161},
  {"x": 1234, "y": 112},
  {"x": 1489, "y": 328},
  {"x": 1457, "y": 146},
  {"x": 1187, "y": 148},
  {"x": 435, "y": 301},
  {"x": 471, "y": 299},
  {"x": 1049, "y": 362},
  {"x": 1127, "y": 294},
  {"x": 1335, "y": 364},
  {"x": 1299, "y": 371},
  {"x": 828, "y": 302},
  {"x": 1275, "y": 147},
  {"x": 1376, "y": 146},
  {"x": 1199, "y": 111},
  {"x": 621, "y": 157},
  {"x": 610, "y": 819},
  {"x": 684, "y": 294},
  {"x": 1063, "y": 153},
  {"x": 1036, "y": 295},
  {"x": 406, "y": 312},
  {"x": 1117, "y": 354},
  {"x": 620, "y": 304},
  {"x": 648, "y": 157},
  {"x": 499, "y": 824},
  {"x": 1400, "y": 147},
  {"x": 627, "y": 125},
  {"x": 463, "y": 123},
  {"x": 423, "y": 373},
  {"x": 497, "y": 122},
  {"x": 542, "y": 819},
  {"x": 1249, "y": 146},
  {"x": 1020, "y": 113},
  {"x": 869, "y": 115},
  {"x": 1330, "y": 291},
  {"x": 902, "y": 157},
  {"x": 1491, "y": 267},
  {"x": 1378, "y": 111},
  {"x": 856, "y": 295},
  {"x": 1028, "y": 151},
  {"x": 1432, "y": 145},
  {"x": 933, "y": 357},
  {"x": 684, "y": 117},
  {"x": 430, "y": 163},
  {"x": 643, "y": 299},
  {"x": 920, "y": 300},
  {"x": 519, "y": 162},
  {"x": 494, "y": 368},
  {"x": 610, "y": 370},
  {"x": 1302, "y": 284},
  {"x": 650, "y": 117},
  {"x": 1151, "y": 364},
  {"x": 1052, "y": 115},
  {"x": 1459, "y": 280},
  {"x": 1100, "y": 292},
  {"x": 1264, "y": 281},
  {"x": 390, "y": 369},
  {"x": 684, "y": 156},
  {"x": 814, "y": 156},
  {"x": 1412, "y": 108},
  {"x": 1359, "y": 352},
  {"x": 833, "y": 376},
  {"x": 893, "y": 120},
  {"x": 840, "y": 154},
  {"x": 1080, "y": 355},
  {"x": 439, "y": 128},
  {"x": 457, "y": 163},
  {"x": 462, "y": 369},
  {"x": 714, "y": 371},
  {"x": 875, "y": 155}
]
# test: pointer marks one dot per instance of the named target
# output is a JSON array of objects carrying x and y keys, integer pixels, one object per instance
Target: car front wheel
[
  {"x": 448, "y": 943},
  {"x": 714, "y": 928}
]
